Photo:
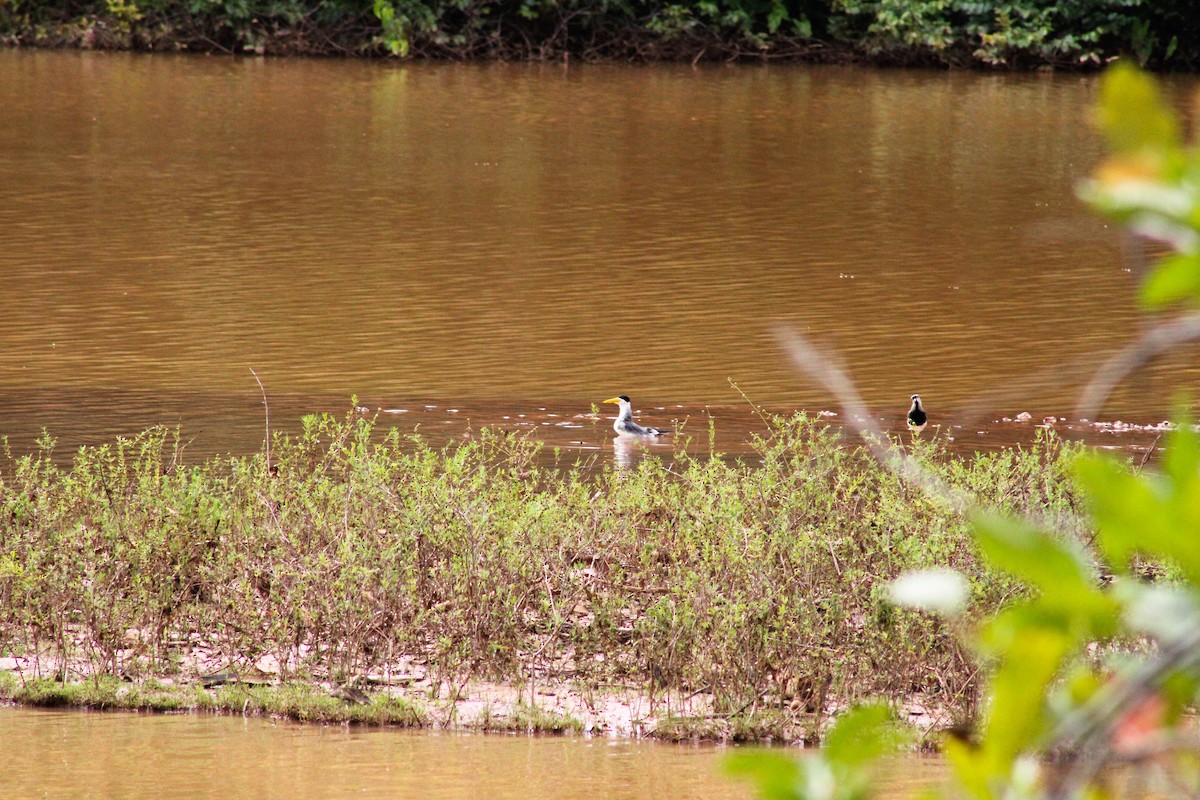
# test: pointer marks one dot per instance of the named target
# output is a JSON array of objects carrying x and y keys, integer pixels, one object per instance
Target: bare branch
[
  {"x": 1057, "y": 376},
  {"x": 1152, "y": 344},
  {"x": 827, "y": 370},
  {"x": 266, "y": 415},
  {"x": 1091, "y": 727}
]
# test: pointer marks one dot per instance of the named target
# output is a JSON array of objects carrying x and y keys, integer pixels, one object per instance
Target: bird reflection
[{"x": 627, "y": 451}]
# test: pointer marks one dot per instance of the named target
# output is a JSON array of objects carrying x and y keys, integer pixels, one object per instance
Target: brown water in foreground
[
  {"x": 509, "y": 238},
  {"x": 73, "y": 754}
]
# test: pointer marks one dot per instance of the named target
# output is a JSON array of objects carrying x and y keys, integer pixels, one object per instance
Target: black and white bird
[
  {"x": 916, "y": 415},
  {"x": 624, "y": 424}
]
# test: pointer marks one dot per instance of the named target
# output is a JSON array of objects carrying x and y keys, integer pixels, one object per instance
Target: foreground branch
[{"x": 1122, "y": 364}]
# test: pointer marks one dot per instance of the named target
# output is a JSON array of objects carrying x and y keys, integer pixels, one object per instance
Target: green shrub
[
  {"x": 990, "y": 32},
  {"x": 758, "y": 584}
]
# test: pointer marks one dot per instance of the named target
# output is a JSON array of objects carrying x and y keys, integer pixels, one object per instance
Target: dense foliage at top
[{"x": 1164, "y": 33}]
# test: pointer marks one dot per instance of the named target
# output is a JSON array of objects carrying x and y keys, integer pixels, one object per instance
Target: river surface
[
  {"x": 457, "y": 245},
  {"x": 119, "y": 756}
]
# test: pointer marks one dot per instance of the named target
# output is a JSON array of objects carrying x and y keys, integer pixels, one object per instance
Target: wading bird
[
  {"x": 916, "y": 415},
  {"x": 624, "y": 424}
]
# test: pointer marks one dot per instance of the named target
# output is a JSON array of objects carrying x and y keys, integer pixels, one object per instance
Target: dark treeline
[{"x": 1006, "y": 33}]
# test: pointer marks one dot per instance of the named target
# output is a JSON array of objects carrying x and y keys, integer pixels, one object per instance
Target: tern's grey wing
[{"x": 629, "y": 426}]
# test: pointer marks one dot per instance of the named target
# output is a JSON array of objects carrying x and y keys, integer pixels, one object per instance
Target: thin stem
[{"x": 266, "y": 416}]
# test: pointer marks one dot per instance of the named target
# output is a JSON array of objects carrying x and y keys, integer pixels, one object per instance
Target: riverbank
[
  {"x": 627, "y": 712},
  {"x": 997, "y": 34},
  {"x": 472, "y": 584}
]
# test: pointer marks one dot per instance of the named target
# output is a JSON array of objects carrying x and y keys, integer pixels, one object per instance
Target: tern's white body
[{"x": 624, "y": 424}]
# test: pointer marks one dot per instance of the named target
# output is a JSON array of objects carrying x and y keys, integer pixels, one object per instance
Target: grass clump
[
  {"x": 301, "y": 702},
  {"x": 47, "y": 694},
  {"x": 103, "y": 692},
  {"x": 307, "y": 703},
  {"x": 532, "y": 718},
  {"x": 760, "y": 585}
]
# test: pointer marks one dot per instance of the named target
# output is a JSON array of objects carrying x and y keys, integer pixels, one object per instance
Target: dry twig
[{"x": 1151, "y": 345}]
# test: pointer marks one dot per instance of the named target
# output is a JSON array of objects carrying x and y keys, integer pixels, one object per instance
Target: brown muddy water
[
  {"x": 71, "y": 754},
  {"x": 508, "y": 245},
  {"x": 467, "y": 244}
]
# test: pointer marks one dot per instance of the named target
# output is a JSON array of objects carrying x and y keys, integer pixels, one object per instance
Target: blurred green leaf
[
  {"x": 969, "y": 766},
  {"x": 1133, "y": 115},
  {"x": 1176, "y": 278},
  {"x": 1124, "y": 506},
  {"x": 841, "y": 770},
  {"x": 862, "y": 735},
  {"x": 1081, "y": 685},
  {"x": 1017, "y": 715},
  {"x": 776, "y": 775},
  {"x": 1182, "y": 691},
  {"x": 1034, "y": 555},
  {"x": 1153, "y": 514},
  {"x": 1182, "y": 460}
]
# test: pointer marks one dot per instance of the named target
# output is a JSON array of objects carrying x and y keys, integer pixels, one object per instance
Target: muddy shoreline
[{"x": 413, "y": 700}]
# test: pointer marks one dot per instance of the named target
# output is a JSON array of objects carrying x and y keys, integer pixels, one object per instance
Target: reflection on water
[
  {"x": 623, "y": 451},
  {"x": 628, "y": 450},
  {"x": 80, "y": 754},
  {"x": 528, "y": 236},
  {"x": 117, "y": 755}
]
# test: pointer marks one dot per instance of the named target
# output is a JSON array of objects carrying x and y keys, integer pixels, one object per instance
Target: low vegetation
[
  {"x": 1019, "y": 33},
  {"x": 304, "y": 703},
  {"x": 355, "y": 554}
]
